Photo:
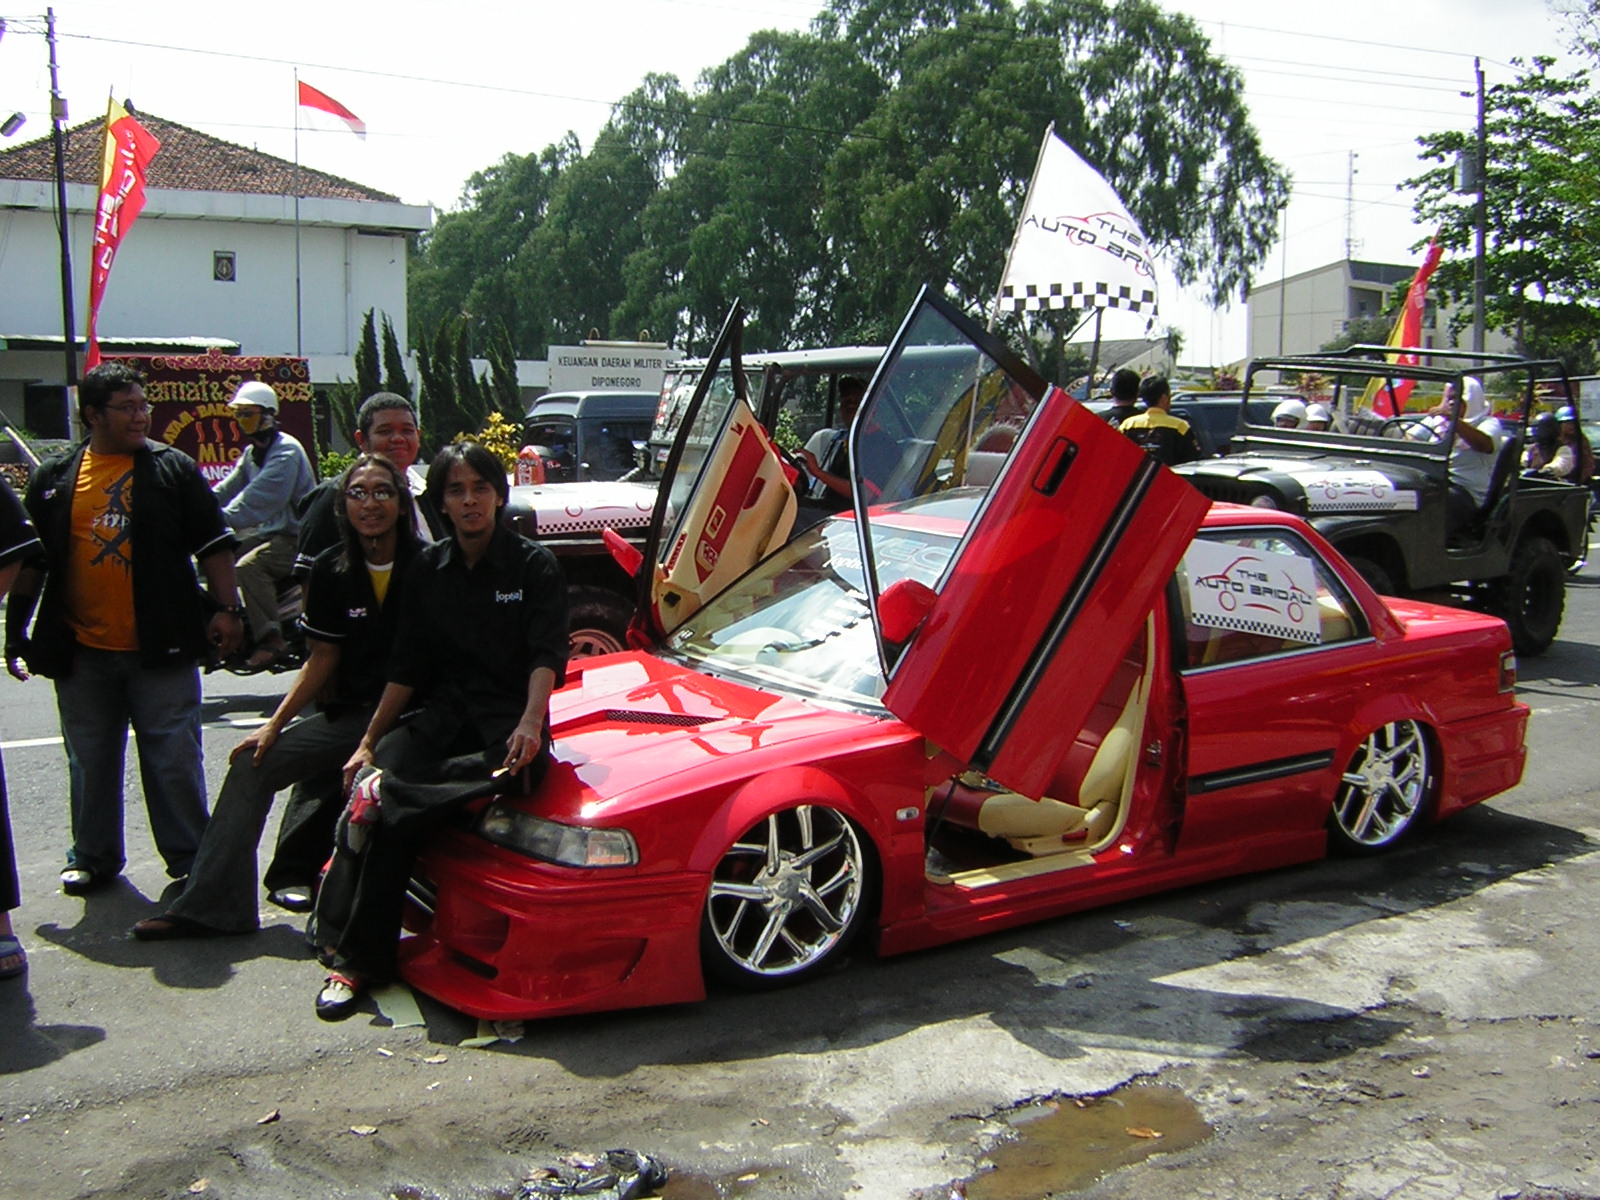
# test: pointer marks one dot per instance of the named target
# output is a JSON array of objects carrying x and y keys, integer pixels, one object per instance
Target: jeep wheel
[
  {"x": 597, "y": 621},
  {"x": 1374, "y": 574},
  {"x": 1533, "y": 595}
]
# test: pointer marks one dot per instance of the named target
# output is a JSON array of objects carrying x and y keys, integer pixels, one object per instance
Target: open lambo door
[
  {"x": 1073, "y": 533},
  {"x": 725, "y": 500}
]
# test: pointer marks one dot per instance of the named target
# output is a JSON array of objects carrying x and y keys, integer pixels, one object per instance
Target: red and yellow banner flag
[
  {"x": 1407, "y": 332},
  {"x": 129, "y": 147}
]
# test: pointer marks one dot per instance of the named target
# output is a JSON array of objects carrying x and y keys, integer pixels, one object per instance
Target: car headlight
[
  {"x": 1264, "y": 501},
  {"x": 551, "y": 841}
]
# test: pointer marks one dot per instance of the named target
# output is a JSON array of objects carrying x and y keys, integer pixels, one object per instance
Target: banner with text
[
  {"x": 189, "y": 394},
  {"x": 609, "y": 368}
]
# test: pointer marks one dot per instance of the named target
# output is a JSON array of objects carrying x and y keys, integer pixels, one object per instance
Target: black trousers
[
  {"x": 424, "y": 784},
  {"x": 10, "y": 891}
]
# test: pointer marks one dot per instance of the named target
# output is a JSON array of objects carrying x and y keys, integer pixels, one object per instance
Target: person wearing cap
[
  {"x": 1545, "y": 454},
  {"x": 1319, "y": 418},
  {"x": 122, "y": 623},
  {"x": 1164, "y": 436},
  {"x": 1574, "y": 440},
  {"x": 261, "y": 503},
  {"x": 1290, "y": 414}
]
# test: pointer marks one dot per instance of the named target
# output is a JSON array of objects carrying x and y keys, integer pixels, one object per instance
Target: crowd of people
[{"x": 436, "y": 636}]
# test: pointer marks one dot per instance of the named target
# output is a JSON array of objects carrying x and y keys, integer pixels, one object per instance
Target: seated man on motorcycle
[{"x": 260, "y": 501}]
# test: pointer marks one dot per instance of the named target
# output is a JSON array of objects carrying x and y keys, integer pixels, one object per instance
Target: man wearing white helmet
[
  {"x": 1290, "y": 414},
  {"x": 260, "y": 502},
  {"x": 1319, "y": 418}
]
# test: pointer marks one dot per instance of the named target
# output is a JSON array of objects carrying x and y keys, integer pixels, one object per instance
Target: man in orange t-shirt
[{"x": 122, "y": 623}]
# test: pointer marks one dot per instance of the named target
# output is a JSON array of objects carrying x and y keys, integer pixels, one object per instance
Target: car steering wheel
[{"x": 1405, "y": 422}]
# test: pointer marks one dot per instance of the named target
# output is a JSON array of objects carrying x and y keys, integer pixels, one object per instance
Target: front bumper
[{"x": 513, "y": 939}]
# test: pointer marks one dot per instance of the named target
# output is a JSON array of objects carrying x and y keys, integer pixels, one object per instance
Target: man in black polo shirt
[{"x": 482, "y": 644}]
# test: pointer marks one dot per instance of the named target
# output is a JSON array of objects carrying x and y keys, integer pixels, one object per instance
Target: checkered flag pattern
[
  {"x": 1033, "y": 298},
  {"x": 1311, "y": 633}
]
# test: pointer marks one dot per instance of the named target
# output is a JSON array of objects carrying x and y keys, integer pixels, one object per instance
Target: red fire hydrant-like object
[{"x": 530, "y": 466}]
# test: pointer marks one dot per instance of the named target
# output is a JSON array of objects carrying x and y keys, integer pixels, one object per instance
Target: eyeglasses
[
  {"x": 361, "y": 495},
  {"x": 132, "y": 410}
]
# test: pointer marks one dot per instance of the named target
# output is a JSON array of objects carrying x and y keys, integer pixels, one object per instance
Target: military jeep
[{"x": 1377, "y": 485}]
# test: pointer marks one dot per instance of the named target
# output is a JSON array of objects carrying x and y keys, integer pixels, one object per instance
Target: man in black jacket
[{"x": 122, "y": 623}]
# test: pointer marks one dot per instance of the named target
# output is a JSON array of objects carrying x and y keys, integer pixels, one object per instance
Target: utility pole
[
  {"x": 58, "y": 120},
  {"x": 1482, "y": 216},
  {"x": 1350, "y": 246}
]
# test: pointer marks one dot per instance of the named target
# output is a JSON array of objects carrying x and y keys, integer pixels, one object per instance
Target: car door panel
[{"x": 1053, "y": 580}]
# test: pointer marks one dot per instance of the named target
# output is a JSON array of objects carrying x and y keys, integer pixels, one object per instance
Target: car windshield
[{"x": 799, "y": 620}]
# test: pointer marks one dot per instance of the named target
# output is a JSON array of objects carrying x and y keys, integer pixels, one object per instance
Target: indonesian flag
[
  {"x": 1391, "y": 402},
  {"x": 129, "y": 147},
  {"x": 311, "y": 98},
  {"x": 1076, "y": 245}
]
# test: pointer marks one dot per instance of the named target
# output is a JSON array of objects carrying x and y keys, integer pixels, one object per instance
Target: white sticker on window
[{"x": 1254, "y": 591}]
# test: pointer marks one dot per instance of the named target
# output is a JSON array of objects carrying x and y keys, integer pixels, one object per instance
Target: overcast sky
[{"x": 447, "y": 90}]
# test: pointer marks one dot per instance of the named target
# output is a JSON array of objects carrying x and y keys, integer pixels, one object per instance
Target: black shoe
[
  {"x": 296, "y": 898},
  {"x": 80, "y": 881}
]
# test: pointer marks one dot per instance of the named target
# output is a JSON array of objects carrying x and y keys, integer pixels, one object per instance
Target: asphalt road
[{"x": 1420, "y": 1025}]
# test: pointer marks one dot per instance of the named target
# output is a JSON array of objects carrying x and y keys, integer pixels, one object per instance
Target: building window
[{"x": 222, "y": 266}]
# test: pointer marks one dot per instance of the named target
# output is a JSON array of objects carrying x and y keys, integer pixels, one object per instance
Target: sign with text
[
  {"x": 1255, "y": 591},
  {"x": 609, "y": 368},
  {"x": 189, "y": 394}
]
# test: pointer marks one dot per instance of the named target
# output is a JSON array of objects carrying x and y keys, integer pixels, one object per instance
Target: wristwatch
[{"x": 233, "y": 610}]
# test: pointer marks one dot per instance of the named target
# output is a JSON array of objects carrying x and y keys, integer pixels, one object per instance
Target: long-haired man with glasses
[{"x": 122, "y": 624}]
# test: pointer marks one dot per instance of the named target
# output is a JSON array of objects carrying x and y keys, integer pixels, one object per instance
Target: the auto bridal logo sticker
[
  {"x": 1352, "y": 491},
  {"x": 1254, "y": 591}
]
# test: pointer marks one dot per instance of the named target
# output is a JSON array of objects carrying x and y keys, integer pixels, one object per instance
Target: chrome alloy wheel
[
  {"x": 785, "y": 896},
  {"x": 1384, "y": 787}
]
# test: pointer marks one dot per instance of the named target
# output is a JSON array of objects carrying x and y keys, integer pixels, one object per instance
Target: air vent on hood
[{"x": 631, "y": 717}]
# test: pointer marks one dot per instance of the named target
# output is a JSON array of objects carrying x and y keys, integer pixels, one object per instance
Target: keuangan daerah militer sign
[
  {"x": 1253, "y": 591},
  {"x": 1076, "y": 245}
]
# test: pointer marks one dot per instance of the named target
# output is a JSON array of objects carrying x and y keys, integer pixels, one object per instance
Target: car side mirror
[{"x": 902, "y": 607}]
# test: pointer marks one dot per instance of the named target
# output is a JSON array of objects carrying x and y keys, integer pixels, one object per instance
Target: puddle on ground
[{"x": 1064, "y": 1145}]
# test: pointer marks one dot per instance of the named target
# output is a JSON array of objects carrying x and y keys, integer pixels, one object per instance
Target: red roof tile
[{"x": 189, "y": 161}]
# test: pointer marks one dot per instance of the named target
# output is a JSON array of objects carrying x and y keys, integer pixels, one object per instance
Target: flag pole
[
  {"x": 299, "y": 349},
  {"x": 1016, "y": 234}
]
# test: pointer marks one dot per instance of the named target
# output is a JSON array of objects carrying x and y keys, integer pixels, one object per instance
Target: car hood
[
  {"x": 1328, "y": 484},
  {"x": 566, "y": 508},
  {"x": 633, "y": 722}
]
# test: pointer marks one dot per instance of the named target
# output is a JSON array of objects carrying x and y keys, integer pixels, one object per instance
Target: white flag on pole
[{"x": 1076, "y": 246}]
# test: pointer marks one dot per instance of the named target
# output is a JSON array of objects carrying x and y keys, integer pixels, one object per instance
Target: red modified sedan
[{"x": 1028, "y": 672}]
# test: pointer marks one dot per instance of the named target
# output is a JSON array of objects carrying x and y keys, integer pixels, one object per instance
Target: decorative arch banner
[{"x": 189, "y": 394}]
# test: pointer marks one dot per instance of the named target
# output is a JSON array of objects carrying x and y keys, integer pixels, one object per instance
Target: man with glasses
[{"x": 122, "y": 623}]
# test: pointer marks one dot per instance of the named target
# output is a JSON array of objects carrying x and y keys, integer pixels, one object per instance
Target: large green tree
[
  {"x": 823, "y": 176},
  {"x": 1541, "y": 186}
]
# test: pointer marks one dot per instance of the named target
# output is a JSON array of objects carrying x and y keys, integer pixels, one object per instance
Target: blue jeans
[{"x": 107, "y": 691}]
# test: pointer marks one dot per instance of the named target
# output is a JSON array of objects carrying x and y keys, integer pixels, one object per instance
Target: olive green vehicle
[{"x": 1377, "y": 486}]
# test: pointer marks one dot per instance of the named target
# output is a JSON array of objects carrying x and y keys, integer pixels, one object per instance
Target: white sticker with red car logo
[
  {"x": 1253, "y": 591},
  {"x": 1352, "y": 491}
]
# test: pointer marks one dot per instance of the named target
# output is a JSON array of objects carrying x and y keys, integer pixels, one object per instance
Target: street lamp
[{"x": 12, "y": 123}]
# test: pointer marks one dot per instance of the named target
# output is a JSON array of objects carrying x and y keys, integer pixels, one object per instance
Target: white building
[
  {"x": 211, "y": 261},
  {"x": 1301, "y": 314}
]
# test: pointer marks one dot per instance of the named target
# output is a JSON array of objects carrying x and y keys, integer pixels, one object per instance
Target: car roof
[
  {"x": 819, "y": 359},
  {"x": 594, "y": 404}
]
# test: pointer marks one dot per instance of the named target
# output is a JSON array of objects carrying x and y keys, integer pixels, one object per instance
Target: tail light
[{"x": 1508, "y": 671}]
